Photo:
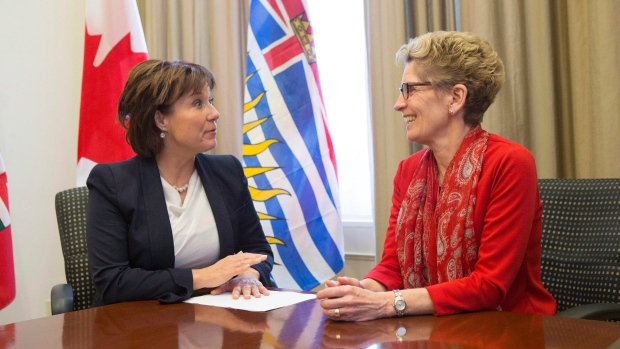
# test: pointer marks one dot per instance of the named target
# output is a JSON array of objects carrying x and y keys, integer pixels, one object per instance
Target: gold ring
[{"x": 337, "y": 312}]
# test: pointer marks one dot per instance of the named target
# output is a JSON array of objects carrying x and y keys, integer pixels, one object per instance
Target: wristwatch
[{"x": 399, "y": 303}]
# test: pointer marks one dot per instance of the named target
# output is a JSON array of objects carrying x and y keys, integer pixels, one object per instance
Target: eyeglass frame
[{"x": 412, "y": 84}]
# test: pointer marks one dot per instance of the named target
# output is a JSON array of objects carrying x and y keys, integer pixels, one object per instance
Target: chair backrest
[
  {"x": 71, "y": 216},
  {"x": 581, "y": 240}
]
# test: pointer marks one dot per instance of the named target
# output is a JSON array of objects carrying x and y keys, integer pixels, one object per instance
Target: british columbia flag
[{"x": 287, "y": 152}]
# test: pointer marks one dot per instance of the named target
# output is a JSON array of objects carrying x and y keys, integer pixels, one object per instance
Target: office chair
[
  {"x": 79, "y": 291},
  {"x": 581, "y": 246}
]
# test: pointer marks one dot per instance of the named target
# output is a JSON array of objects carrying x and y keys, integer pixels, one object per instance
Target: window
[{"x": 339, "y": 38}]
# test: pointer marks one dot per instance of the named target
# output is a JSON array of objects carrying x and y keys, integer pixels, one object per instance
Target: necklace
[{"x": 179, "y": 189}]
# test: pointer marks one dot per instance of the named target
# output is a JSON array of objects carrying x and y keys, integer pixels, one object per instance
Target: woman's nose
[
  {"x": 214, "y": 114},
  {"x": 401, "y": 103}
]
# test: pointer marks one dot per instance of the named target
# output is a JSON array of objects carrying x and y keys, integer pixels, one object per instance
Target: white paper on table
[{"x": 276, "y": 299}]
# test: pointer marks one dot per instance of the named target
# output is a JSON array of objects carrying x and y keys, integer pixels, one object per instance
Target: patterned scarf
[{"x": 435, "y": 238}]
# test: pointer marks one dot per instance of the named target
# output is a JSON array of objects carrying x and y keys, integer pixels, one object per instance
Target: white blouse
[{"x": 196, "y": 242}]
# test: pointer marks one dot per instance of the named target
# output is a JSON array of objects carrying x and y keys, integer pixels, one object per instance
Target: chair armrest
[
  {"x": 62, "y": 299},
  {"x": 595, "y": 311}
]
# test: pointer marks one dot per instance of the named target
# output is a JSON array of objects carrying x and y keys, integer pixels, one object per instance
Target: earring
[
  {"x": 162, "y": 135},
  {"x": 451, "y": 112}
]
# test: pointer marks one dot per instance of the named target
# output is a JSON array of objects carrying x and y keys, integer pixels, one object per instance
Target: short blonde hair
[{"x": 450, "y": 58}]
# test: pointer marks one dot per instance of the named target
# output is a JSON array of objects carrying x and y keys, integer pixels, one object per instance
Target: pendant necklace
[{"x": 179, "y": 189}]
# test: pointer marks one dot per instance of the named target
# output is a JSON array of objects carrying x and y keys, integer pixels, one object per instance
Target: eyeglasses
[{"x": 408, "y": 88}]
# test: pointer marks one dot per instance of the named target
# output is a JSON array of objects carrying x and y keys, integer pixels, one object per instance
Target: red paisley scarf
[{"x": 435, "y": 239}]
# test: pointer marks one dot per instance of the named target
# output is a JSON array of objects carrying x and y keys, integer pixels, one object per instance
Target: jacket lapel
[
  {"x": 156, "y": 215},
  {"x": 220, "y": 213}
]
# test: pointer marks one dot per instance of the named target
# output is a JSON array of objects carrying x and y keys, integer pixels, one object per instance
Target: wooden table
[{"x": 151, "y": 325}]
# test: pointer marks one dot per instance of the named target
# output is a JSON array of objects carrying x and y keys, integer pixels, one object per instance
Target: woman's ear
[
  {"x": 160, "y": 121},
  {"x": 458, "y": 96}
]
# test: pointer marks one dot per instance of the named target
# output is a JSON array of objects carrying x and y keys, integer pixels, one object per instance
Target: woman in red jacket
[{"x": 465, "y": 225}]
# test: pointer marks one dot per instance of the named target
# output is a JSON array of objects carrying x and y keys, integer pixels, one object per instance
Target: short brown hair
[
  {"x": 154, "y": 85},
  {"x": 450, "y": 58}
]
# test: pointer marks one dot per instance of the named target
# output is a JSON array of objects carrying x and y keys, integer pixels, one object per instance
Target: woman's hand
[
  {"x": 225, "y": 269},
  {"x": 344, "y": 280},
  {"x": 353, "y": 303},
  {"x": 246, "y": 284}
]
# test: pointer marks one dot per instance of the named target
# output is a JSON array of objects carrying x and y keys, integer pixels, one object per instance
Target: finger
[
  {"x": 264, "y": 290},
  {"x": 247, "y": 291},
  {"x": 259, "y": 256},
  {"x": 217, "y": 290},
  {"x": 333, "y": 313},
  {"x": 244, "y": 264},
  {"x": 239, "y": 257},
  {"x": 246, "y": 256},
  {"x": 254, "y": 261},
  {"x": 236, "y": 292},
  {"x": 331, "y": 283},
  {"x": 327, "y": 305},
  {"x": 334, "y": 303},
  {"x": 345, "y": 280},
  {"x": 256, "y": 291},
  {"x": 332, "y": 292},
  {"x": 321, "y": 294},
  {"x": 239, "y": 264},
  {"x": 354, "y": 282},
  {"x": 252, "y": 257},
  {"x": 228, "y": 268}
]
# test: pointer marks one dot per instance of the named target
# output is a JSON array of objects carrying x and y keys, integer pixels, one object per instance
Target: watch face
[
  {"x": 401, "y": 331},
  {"x": 400, "y": 304}
]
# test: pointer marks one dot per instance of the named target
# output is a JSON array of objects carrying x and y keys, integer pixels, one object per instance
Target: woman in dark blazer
[{"x": 173, "y": 220}]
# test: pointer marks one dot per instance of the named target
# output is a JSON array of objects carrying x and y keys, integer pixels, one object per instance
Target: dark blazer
[{"x": 129, "y": 237}]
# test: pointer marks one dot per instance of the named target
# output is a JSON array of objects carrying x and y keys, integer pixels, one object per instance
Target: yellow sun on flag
[{"x": 258, "y": 194}]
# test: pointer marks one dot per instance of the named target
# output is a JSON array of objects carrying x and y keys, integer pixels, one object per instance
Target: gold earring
[{"x": 451, "y": 111}]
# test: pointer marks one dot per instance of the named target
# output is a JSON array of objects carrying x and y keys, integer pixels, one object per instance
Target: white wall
[{"x": 41, "y": 54}]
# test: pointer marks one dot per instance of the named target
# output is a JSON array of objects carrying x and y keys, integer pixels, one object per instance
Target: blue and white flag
[{"x": 287, "y": 153}]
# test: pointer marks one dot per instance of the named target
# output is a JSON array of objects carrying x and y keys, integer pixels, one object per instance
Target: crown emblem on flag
[{"x": 300, "y": 27}]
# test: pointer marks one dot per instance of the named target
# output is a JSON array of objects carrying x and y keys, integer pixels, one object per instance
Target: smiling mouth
[{"x": 408, "y": 118}]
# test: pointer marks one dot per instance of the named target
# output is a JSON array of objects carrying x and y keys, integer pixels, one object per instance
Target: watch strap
[{"x": 398, "y": 298}]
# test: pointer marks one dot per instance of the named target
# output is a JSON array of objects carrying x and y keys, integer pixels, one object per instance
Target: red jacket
[{"x": 508, "y": 227}]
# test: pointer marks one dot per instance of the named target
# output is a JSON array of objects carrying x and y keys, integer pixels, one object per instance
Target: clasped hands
[
  {"x": 233, "y": 274},
  {"x": 347, "y": 299}
]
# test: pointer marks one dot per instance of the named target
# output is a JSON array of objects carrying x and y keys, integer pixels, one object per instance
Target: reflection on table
[{"x": 149, "y": 324}]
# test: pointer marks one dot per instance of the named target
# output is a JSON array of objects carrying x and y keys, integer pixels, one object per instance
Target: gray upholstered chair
[
  {"x": 79, "y": 291},
  {"x": 581, "y": 246}
]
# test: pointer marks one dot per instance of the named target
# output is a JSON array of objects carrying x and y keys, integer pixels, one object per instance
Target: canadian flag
[
  {"x": 7, "y": 271},
  {"x": 114, "y": 43}
]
